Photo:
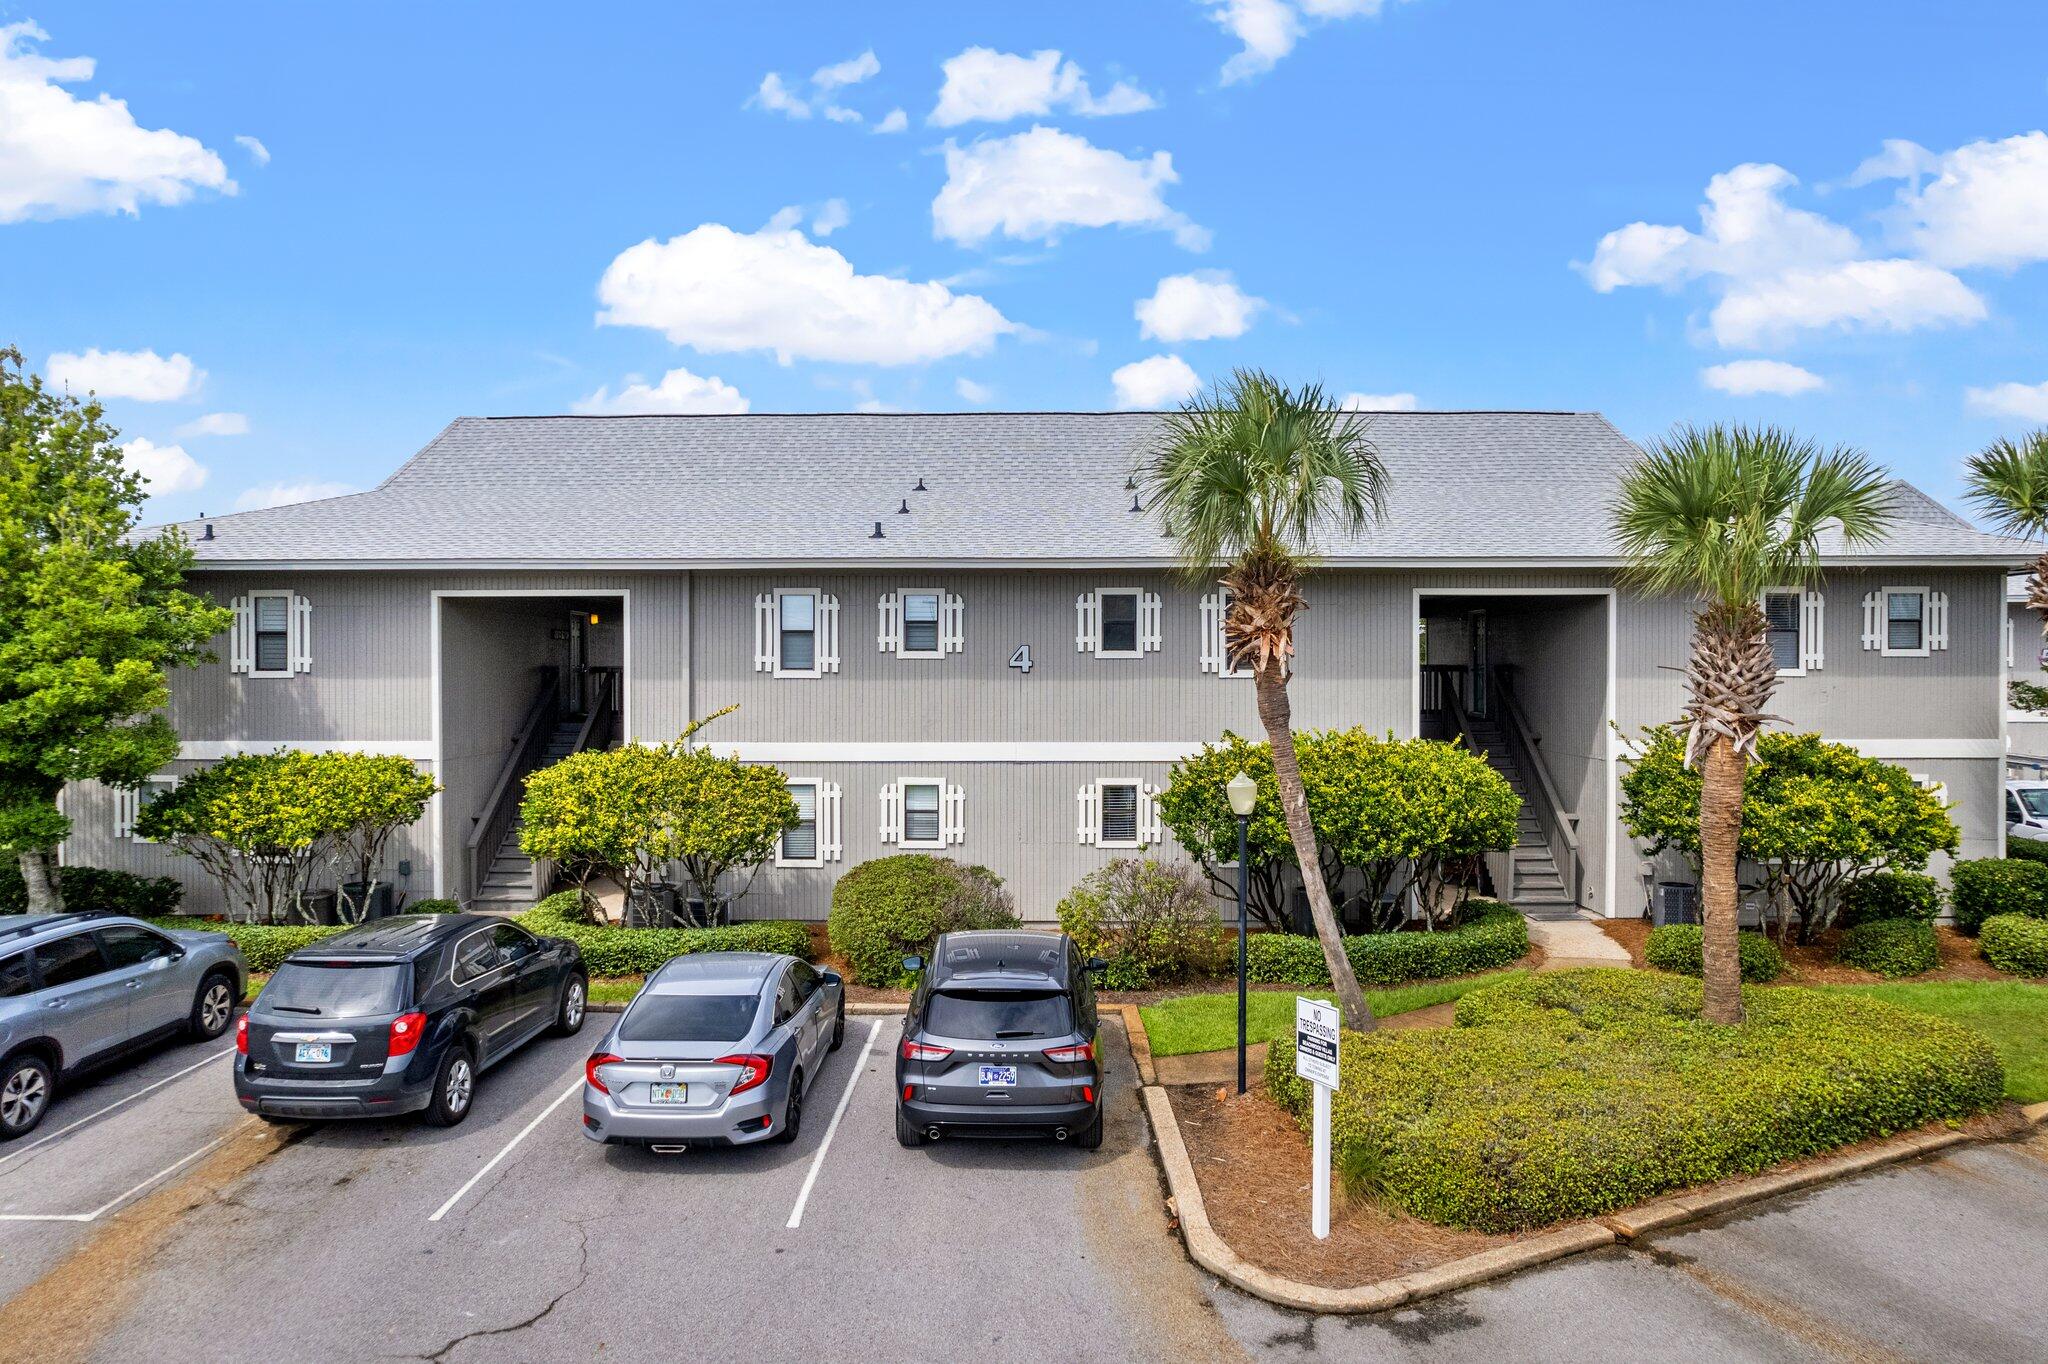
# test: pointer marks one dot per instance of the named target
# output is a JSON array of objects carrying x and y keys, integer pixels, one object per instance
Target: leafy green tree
[
  {"x": 1816, "y": 816},
  {"x": 1195, "y": 808},
  {"x": 259, "y": 824},
  {"x": 1246, "y": 480},
  {"x": 91, "y": 620},
  {"x": 1721, "y": 514},
  {"x": 370, "y": 797}
]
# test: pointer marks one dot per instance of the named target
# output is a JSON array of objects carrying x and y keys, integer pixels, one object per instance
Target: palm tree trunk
[
  {"x": 1721, "y": 778},
  {"x": 1277, "y": 715},
  {"x": 2037, "y": 591},
  {"x": 39, "y": 875}
]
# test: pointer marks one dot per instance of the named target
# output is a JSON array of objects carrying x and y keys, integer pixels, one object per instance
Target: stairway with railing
[{"x": 501, "y": 877}]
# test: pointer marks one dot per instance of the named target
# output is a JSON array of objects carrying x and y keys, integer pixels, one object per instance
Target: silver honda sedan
[{"x": 717, "y": 1049}]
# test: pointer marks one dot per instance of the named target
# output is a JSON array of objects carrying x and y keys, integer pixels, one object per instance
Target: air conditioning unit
[{"x": 1676, "y": 902}]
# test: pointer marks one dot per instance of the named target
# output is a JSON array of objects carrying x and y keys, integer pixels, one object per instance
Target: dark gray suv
[{"x": 1000, "y": 1041}]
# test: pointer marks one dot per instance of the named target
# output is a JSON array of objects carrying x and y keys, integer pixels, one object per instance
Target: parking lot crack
[{"x": 582, "y": 1277}]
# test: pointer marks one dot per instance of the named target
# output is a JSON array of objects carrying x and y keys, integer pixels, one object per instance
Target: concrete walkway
[{"x": 1569, "y": 943}]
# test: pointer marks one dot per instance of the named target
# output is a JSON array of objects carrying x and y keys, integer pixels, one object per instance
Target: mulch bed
[{"x": 1815, "y": 964}]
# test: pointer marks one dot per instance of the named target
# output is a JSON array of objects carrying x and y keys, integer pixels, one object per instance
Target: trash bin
[
  {"x": 319, "y": 907},
  {"x": 365, "y": 901}
]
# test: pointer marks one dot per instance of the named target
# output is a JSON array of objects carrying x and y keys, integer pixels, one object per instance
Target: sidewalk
[{"x": 1570, "y": 943}]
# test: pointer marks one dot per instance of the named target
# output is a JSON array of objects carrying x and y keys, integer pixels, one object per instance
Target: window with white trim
[
  {"x": 1793, "y": 623},
  {"x": 130, "y": 802},
  {"x": 923, "y": 813},
  {"x": 1118, "y": 812},
  {"x": 920, "y": 622},
  {"x": 1905, "y": 622},
  {"x": 1927, "y": 783},
  {"x": 1117, "y": 622},
  {"x": 796, "y": 632},
  {"x": 271, "y": 635},
  {"x": 1215, "y": 651},
  {"x": 815, "y": 839}
]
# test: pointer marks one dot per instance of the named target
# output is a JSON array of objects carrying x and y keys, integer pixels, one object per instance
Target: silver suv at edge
[{"x": 77, "y": 990}]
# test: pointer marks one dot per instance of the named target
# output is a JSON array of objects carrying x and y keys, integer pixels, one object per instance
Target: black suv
[
  {"x": 400, "y": 1015},
  {"x": 1000, "y": 1041}
]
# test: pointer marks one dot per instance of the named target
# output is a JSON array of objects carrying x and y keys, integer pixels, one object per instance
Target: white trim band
[{"x": 213, "y": 750}]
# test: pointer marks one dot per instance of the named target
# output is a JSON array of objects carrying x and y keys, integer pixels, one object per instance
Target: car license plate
[
  {"x": 314, "y": 1052},
  {"x": 999, "y": 1075},
  {"x": 668, "y": 1094}
]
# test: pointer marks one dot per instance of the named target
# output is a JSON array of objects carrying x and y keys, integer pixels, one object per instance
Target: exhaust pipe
[
  {"x": 932, "y": 1132},
  {"x": 1059, "y": 1134},
  {"x": 667, "y": 1149}
]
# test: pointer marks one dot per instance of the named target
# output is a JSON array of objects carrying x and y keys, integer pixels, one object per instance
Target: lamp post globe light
[{"x": 1244, "y": 795}]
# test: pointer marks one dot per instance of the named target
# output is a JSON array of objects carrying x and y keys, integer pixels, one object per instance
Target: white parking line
[
  {"x": 796, "y": 1214},
  {"x": 103, "y": 1209},
  {"x": 524, "y": 1133},
  {"x": 99, "y": 1113}
]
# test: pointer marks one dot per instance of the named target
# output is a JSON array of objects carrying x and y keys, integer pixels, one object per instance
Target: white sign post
[{"x": 1315, "y": 1060}]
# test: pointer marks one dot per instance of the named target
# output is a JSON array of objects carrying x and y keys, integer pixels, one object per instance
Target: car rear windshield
[
  {"x": 688, "y": 1018},
  {"x": 998, "y": 1015},
  {"x": 324, "y": 990}
]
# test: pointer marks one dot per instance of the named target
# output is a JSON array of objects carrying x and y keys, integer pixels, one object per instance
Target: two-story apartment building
[{"x": 962, "y": 633}]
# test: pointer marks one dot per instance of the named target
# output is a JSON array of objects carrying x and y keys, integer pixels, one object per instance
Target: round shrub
[
  {"x": 1890, "y": 947},
  {"x": 1889, "y": 895},
  {"x": 1676, "y": 947},
  {"x": 1152, "y": 922},
  {"x": 1494, "y": 936},
  {"x": 891, "y": 907},
  {"x": 2015, "y": 943},
  {"x": 1993, "y": 885},
  {"x": 117, "y": 892}
]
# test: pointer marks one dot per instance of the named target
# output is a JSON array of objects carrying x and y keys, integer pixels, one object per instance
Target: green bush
[
  {"x": 2015, "y": 943},
  {"x": 609, "y": 951},
  {"x": 1494, "y": 937},
  {"x": 264, "y": 945},
  {"x": 1889, "y": 895},
  {"x": 891, "y": 907},
  {"x": 1676, "y": 947},
  {"x": 1992, "y": 885},
  {"x": 433, "y": 907},
  {"x": 1575, "y": 1093},
  {"x": 1151, "y": 922},
  {"x": 2026, "y": 849},
  {"x": 119, "y": 892},
  {"x": 1890, "y": 947}
]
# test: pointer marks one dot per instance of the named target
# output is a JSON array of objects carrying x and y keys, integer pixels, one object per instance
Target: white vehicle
[{"x": 2026, "y": 809}]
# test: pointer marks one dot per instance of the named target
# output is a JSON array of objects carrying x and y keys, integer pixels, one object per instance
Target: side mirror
[
  {"x": 829, "y": 976},
  {"x": 1096, "y": 966},
  {"x": 913, "y": 963}
]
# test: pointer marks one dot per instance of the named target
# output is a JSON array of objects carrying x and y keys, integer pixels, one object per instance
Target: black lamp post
[{"x": 1244, "y": 795}]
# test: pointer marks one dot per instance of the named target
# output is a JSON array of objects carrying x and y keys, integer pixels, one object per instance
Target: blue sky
[{"x": 489, "y": 209}]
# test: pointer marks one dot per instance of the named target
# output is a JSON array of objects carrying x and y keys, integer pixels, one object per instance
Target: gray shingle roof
[{"x": 1005, "y": 487}]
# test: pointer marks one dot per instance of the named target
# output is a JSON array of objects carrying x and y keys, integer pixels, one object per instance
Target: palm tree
[
  {"x": 2008, "y": 482},
  {"x": 1723, "y": 514},
  {"x": 1247, "y": 477}
]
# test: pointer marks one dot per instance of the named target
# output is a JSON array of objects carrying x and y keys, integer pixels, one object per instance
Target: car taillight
[
  {"x": 405, "y": 1033},
  {"x": 923, "y": 1051},
  {"x": 1085, "y": 1051},
  {"x": 603, "y": 1058},
  {"x": 754, "y": 1072},
  {"x": 242, "y": 1034}
]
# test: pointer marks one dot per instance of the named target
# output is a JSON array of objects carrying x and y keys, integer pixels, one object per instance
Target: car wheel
[
  {"x": 906, "y": 1131},
  {"x": 213, "y": 1008},
  {"x": 570, "y": 1009},
  {"x": 25, "y": 1087},
  {"x": 838, "y": 1027},
  {"x": 454, "y": 1088},
  {"x": 793, "y": 1112},
  {"x": 1089, "y": 1138}
]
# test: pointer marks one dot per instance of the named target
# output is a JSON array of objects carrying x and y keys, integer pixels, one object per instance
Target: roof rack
[{"x": 40, "y": 922}]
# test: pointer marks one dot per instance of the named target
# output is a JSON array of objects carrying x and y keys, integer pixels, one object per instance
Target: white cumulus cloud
[
  {"x": 777, "y": 95},
  {"x": 830, "y": 217},
  {"x": 1196, "y": 307},
  {"x": 1745, "y": 378},
  {"x": 1269, "y": 29},
  {"x": 720, "y": 291},
  {"x": 984, "y": 85},
  {"x": 1035, "y": 184},
  {"x": 165, "y": 468},
  {"x": 1160, "y": 381},
  {"x": 895, "y": 121},
  {"x": 972, "y": 392},
  {"x": 678, "y": 391},
  {"x": 216, "y": 424},
  {"x": 1377, "y": 402},
  {"x": 284, "y": 494},
  {"x": 2028, "y": 402},
  {"x": 258, "y": 153},
  {"x": 139, "y": 374},
  {"x": 1983, "y": 204},
  {"x": 1860, "y": 295},
  {"x": 61, "y": 155}
]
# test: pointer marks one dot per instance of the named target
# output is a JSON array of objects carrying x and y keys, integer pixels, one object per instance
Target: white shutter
[
  {"x": 828, "y": 634},
  {"x": 1812, "y": 615},
  {"x": 1150, "y": 611},
  {"x": 2008, "y": 641},
  {"x": 1937, "y": 620},
  {"x": 1089, "y": 826},
  {"x": 892, "y": 813},
  {"x": 301, "y": 637},
  {"x": 127, "y": 808},
  {"x": 764, "y": 633},
  {"x": 1148, "y": 814},
  {"x": 242, "y": 638},
  {"x": 889, "y": 629},
  {"x": 1212, "y": 632},
  {"x": 829, "y": 843},
  {"x": 952, "y": 623},
  {"x": 1873, "y": 619},
  {"x": 953, "y": 814},
  {"x": 1086, "y": 614}
]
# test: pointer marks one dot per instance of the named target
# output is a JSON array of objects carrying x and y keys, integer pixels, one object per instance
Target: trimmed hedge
[
  {"x": 1889, "y": 895},
  {"x": 2015, "y": 943},
  {"x": 1678, "y": 947},
  {"x": 433, "y": 907},
  {"x": 1575, "y": 1093},
  {"x": 609, "y": 951},
  {"x": 1497, "y": 936},
  {"x": 1992, "y": 885},
  {"x": 264, "y": 945},
  {"x": 1890, "y": 947},
  {"x": 890, "y": 907},
  {"x": 119, "y": 892},
  {"x": 2019, "y": 849}
]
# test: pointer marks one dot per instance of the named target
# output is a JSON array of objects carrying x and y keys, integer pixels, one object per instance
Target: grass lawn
[
  {"x": 615, "y": 989},
  {"x": 2013, "y": 1014},
  {"x": 1209, "y": 1022}
]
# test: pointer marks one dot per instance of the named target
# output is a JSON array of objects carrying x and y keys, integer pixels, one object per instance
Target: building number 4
[{"x": 1021, "y": 660}]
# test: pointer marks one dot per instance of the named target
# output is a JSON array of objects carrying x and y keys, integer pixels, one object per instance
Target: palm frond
[{"x": 2008, "y": 483}]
